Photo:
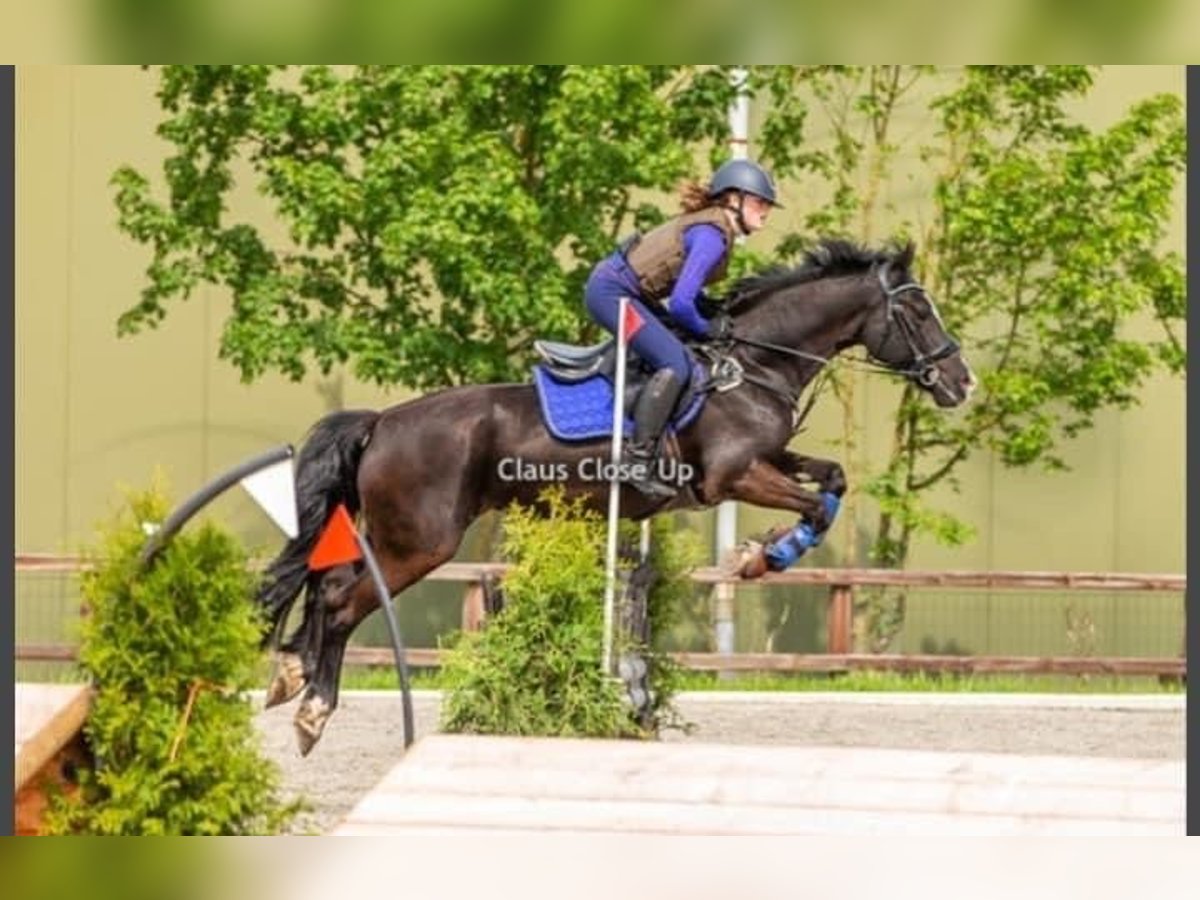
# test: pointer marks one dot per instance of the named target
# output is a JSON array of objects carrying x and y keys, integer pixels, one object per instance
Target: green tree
[
  {"x": 438, "y": 218},
  {"x": 1040, "y": 241}
]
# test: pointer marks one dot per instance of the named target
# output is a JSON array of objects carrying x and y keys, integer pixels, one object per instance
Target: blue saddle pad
[{"x": 583, "y": 411}]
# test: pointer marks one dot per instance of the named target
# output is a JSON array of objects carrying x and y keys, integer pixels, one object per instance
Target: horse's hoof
[
  {"x": 288, "y": 681},
  {"x": 310, "y": 722},
  {"x": 750, "y": 558},
  {"x": 746, "y": 560},
  {"x": 753, "y": 562}
]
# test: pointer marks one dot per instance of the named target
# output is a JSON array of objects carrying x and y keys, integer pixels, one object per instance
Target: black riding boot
[{"x": 650, "y": 419}]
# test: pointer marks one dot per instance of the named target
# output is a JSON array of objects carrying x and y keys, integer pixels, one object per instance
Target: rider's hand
[
  {"x": 708, "y": 306},
  {"x": 720, "y": 327}
]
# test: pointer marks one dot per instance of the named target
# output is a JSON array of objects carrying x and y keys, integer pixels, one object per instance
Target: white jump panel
[
  {"x": 451, "y": 783},
  {"x": 48, "y": 716}
]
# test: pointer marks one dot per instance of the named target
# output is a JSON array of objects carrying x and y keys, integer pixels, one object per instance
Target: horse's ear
[{"x": 905, "y": 255}]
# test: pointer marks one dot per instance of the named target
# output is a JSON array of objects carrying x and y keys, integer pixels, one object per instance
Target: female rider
[{"x": 665, "y": 269}]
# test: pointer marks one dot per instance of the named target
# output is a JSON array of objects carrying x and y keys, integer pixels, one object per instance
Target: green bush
[
  {"x": 171, "y": 652},
  {"x": 534, "y": 669}
]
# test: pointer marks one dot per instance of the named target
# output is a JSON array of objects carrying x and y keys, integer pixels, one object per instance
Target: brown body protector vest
[{"x": 657, "y": 256}]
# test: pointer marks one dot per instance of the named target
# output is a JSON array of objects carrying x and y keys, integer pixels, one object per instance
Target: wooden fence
[{"x": 841, "y": 584}]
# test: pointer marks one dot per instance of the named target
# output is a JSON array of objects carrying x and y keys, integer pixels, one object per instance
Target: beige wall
[{"x": 94, "y": 412}]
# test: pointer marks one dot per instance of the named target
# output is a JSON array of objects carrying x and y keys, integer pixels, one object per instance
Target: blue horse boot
[{"x": 784, "y": 551}]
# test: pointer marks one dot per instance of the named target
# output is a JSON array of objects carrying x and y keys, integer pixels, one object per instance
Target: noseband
[{"x": 922, "y": 367}]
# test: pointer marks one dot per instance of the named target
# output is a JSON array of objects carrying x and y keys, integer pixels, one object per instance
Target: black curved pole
[
  {"x": 385, "y": 601},
  {"x": 206, "y": 495}
]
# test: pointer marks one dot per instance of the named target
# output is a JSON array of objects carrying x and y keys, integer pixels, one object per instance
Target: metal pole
[
  {"x": 614, "y": 491},
  {"x": 726, "y": 530},
  {"x": 389, "y": 614},
  {"x": 739, "y": 114},
  {"x": 206, "y": 495}
]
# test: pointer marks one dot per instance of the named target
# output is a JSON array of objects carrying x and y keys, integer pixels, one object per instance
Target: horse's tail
[{"x": 326, "y": 475}]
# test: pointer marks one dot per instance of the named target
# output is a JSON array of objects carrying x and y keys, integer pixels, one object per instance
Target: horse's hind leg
[
  {"x": 296, "y": 659},
  {"x": 291, "y": 660},
  {"x": 341, "y": 615},
  {"x": 289, "y": 677},
  {"x": 421, "y": 482}
]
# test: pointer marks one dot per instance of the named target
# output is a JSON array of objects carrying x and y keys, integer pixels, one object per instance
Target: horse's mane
[{"x": 829, "y": 258}]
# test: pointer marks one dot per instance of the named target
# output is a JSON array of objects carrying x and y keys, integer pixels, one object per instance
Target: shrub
[
  {"x": 534, "y": 669},
  {"x": 171, "y": 652}
]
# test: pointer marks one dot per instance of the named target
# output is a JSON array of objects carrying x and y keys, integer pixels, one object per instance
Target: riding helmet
[{"x": 743, "y": 175}]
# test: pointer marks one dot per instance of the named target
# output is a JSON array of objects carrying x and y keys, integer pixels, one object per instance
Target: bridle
[{"x": 921, "y": 368}]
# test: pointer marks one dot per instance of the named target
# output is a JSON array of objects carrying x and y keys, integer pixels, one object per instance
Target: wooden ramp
[
  {"x": 451, "y": 783},
  {"x": 49, "y": 742}
]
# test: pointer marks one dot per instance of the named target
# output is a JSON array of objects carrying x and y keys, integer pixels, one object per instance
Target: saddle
[
  {"x": 570, "y": 363},
  {"x": 573, "y": 363},
  {"x": 575, "y": 386}
]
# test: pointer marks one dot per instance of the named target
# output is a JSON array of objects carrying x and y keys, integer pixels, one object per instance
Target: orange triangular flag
[{"x": 337, "y": 543}]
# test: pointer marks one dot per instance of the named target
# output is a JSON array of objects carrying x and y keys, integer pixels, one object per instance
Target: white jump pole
[{"x": 614, "y": 490}]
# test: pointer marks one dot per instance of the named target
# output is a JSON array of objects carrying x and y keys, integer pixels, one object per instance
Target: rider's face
[{"x": 755, "y": 211}]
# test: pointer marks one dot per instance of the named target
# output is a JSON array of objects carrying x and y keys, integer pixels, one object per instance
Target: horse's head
[
  {"x": 844, "y": 295},
  {"x": 904, "y": 332}
]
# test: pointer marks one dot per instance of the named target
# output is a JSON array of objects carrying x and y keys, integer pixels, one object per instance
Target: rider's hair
[{"x": 693, "y": 196}]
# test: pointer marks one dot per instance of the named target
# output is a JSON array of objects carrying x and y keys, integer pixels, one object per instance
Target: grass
[
  {"x": 384, "y": 678},
  {"x": 920, "y": 681}
]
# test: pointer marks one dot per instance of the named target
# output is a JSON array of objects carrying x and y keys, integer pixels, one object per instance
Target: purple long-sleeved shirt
[{"x": 704, "y": 246}]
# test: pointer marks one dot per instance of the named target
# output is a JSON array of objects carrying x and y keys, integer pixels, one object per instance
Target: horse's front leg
[
  {"x": 765, "y": 485},
  {"x": 828, "y": 475},
  {"x": 762, "y": 484}
]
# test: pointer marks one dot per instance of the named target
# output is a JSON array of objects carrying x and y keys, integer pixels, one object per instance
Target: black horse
[{"x": 420, "y": 472}]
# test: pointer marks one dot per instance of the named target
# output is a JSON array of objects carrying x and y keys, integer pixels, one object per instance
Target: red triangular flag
[
  {"x": 633, "y": 322},
  {"x": 337, "y": 543}
]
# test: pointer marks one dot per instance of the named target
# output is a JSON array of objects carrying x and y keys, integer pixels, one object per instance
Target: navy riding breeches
[{"x": 653, "y": 342}]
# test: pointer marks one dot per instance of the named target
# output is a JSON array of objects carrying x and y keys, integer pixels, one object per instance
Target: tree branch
[{"x": 920, "y": 484}]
